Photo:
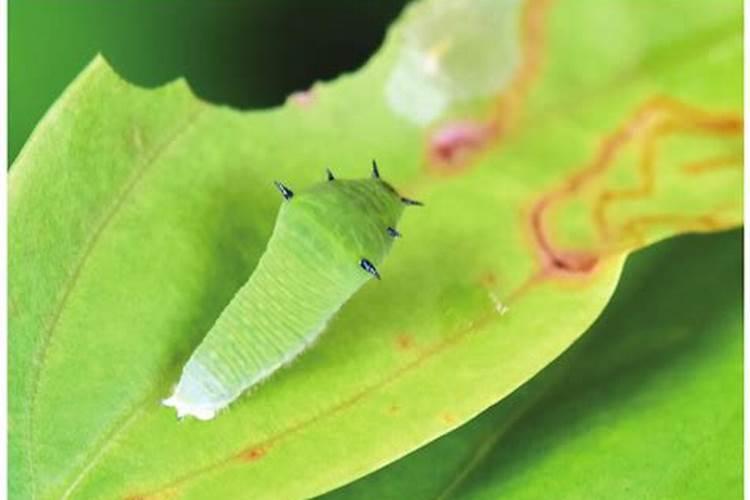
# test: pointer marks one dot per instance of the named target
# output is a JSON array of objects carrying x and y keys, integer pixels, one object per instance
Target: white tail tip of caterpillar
[{"x": 185, "y": 408}]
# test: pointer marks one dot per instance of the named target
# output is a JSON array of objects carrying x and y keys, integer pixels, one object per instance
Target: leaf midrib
[{"x": 104, "y": 222}]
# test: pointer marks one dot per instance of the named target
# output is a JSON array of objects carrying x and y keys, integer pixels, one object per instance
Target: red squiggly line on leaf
[
  {"x": 669, "y": 118},
  {"x": 657, "y": 117}
]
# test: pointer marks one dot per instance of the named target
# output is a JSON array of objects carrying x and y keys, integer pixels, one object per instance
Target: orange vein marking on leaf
[
  {"x": 75, "y": 274},
  {"x": 714, "y": 164},
  {"x": 643, "y": 190},
  {"x": 632, "y": 233},
  {"x": 636, "y": 228},
  {"x": 252, "y": 454},
  {"x": 453, "y": 147},
  {"x": 670, "y": 117},
  {"x": 656, "y": 117},
  {"x": 509, "y": 104},
  {"x": 686, "y": 222}
]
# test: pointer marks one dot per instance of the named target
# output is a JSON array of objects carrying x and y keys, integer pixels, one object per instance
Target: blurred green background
[{"x": 243, "y": 53}]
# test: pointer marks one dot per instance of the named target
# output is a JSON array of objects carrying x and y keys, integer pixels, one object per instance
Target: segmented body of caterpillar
[{"x": 326, "y": 244}]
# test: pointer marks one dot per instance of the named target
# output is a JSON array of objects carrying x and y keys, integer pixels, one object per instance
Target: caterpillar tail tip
[{"x": 185, "y": 409}]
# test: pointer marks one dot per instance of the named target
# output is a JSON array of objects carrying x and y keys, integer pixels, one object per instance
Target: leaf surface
[
  {"x": 648, "y": 404},
  {"x": 543, "y": 156}
]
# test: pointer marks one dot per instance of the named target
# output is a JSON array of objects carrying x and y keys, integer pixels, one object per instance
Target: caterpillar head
[{"x": 347, "y": 220}]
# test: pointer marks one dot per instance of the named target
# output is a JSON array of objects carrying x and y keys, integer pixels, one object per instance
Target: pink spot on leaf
[
  {"x": 304, "y": 99},
  {"x": 573, "y": 261},
  {"x": 452, "y": 145}
]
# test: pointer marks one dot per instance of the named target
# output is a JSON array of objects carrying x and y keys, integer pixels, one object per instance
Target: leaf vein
[{"x": 70, "y": 284}]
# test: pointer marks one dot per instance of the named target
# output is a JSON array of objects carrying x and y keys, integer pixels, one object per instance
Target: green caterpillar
[{"x": 326, "y": 244}]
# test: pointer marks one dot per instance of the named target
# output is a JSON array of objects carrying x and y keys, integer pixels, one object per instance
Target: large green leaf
[
  {"x": 135, "y": 215},
  {"x": 648, "y": 404}
]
